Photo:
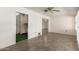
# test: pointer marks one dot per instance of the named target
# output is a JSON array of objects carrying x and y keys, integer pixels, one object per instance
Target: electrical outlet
[{"x": 39, "y": 34}]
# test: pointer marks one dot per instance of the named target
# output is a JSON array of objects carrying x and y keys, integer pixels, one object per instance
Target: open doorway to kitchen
[
  {"x": 21, "y": 26},
  {"x": 44, "y": 26}
]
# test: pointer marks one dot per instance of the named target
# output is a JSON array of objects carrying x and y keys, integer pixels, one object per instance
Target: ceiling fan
[{"x": 51, "y": 9}]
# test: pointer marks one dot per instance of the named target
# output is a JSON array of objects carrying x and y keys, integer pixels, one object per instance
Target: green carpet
[{"x": 20, "y": 37}]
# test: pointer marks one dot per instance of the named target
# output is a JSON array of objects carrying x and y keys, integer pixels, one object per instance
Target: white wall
[
  {"x": 77, "y": 27},
  {"x": 7, "y": 26},
  {"x": 64, "y": 21},
  {"x": 64, "y": 25}
]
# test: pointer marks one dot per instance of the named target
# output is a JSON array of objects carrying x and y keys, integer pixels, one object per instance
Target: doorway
[
  {"x": 21, "y": 26},
  {"x": 44, "y": 26}
]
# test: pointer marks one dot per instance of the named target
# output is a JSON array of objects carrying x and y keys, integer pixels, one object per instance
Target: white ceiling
[
  {"x": 63, "y": 10},
  {"x": 38, "y": 9}
]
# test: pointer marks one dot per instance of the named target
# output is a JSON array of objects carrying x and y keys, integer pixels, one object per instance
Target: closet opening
[
  {"x": 44, "y": 26},
  {"x": 21, "y": 26}
]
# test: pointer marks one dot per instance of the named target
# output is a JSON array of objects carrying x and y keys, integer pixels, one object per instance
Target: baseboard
[{"x": 63, "y": 33}]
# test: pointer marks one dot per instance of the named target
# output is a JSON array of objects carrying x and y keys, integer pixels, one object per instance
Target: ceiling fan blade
[
  {"x": 56, "y": 10},
  {"x": 45, "y": 10},
  {"x": 50, "y": 8}
]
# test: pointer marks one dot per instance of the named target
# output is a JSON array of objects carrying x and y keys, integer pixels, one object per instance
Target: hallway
[{"x": 47, "y": 42}]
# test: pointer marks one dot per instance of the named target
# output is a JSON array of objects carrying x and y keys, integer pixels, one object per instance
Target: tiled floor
[{"x": 47, "y": 42}]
